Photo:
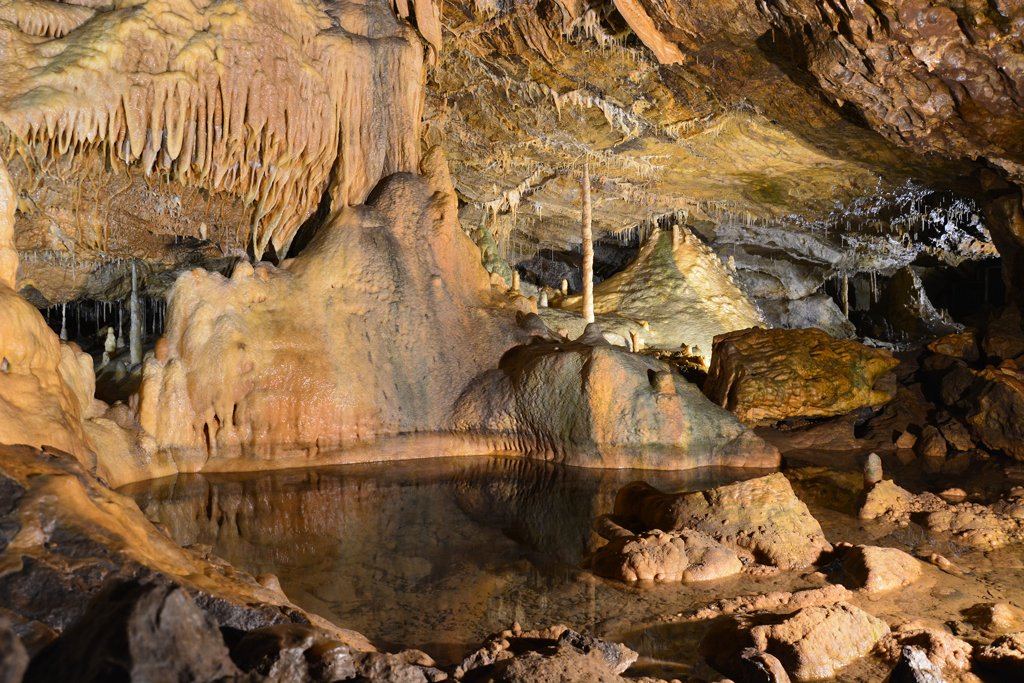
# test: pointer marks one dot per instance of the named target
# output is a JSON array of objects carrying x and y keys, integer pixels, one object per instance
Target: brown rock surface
[
  {"x": 975, "y": 525},
  {"x": 679, "y": 288},
  {"x": 769, "y": 375},
  {"x": 876, "y": 570},
  {"x": 761, "y": 518},
  {"x": 931, "y": 444},
  {"x": 1004, "y": 656},
  {"x": 962, "y": 345},
  {"x": 995, "y": 618},
  {"x": 591, "y": 404},
  {"x": 812, "y": 643},
  {"x": 949, "y": 654},
  {"x": 685, "y": 556},
  {"x": 996, "y": 418}
]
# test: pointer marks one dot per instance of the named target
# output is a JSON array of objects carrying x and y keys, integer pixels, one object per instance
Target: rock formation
[
  {"x": 769, "y": 375},
  {"x": 595, "y": 405},
  {"x": 760, "y": 518},
  {"x": 674, "y": 293}
]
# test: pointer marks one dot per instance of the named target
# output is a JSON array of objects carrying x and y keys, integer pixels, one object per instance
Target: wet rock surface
[
  {"x": 762, "y": 518},
  {"x": 812, "y": 643}
]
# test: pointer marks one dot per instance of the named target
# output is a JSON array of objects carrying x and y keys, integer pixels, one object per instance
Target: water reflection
[{"x": 434, "y": 554}]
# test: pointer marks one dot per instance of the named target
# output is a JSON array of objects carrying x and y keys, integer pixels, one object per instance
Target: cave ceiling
[{"x": 752, "y": 121}]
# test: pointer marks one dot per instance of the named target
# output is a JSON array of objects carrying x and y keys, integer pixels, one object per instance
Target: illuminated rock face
[
  {"x": 46, "y": 386},
  {"x": 599, "y": 406},
  {"x": 769, "y": 375},
  {"x": 680, "y": 289},
  {"x": 371, "y": 332}
]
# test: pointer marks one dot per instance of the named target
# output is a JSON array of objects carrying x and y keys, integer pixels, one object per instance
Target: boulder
[
  {"x": 1004, "y": 337},
  {"x": 962, "y": 345},
  {"x": 996, "y": 419},
  {"x": 144, "y": 632},
  {"x": 589, "y": 404},
  {"x": 13, "y": 657},
  {"x": 995, "y": 618},
  {"x": 931, "y": 444},
  {"x": 685, "y": 556},
  {"x": 943, "y": 652},
  {"x": 876, "y": 570},
  {"x": 764, "y": 376},
  {"x": 552, "y": 655},
  {"x": 762, "y": 519},
  {"x": 1004, "y": 656},
  {"x": 812, "y": 643}
]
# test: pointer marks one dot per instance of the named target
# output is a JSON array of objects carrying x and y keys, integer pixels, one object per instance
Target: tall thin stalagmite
[
  {"x": 8, "y": 254},
  {"x": 588, "y": 249},
  {"x": 135, "y": 322},
  {"x": 845, "y": 295}
]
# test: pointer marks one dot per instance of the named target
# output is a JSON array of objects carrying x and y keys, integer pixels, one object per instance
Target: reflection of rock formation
[{"x": 420, "y": 552}]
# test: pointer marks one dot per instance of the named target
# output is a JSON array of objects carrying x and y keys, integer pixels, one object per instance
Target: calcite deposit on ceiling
[{"x": 250, "y": 106}]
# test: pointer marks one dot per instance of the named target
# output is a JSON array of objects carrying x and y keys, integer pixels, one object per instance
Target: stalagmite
[
  {"x": 588, "y": 248},
  {"x": 872, "y": 471},
  {"x": 543, "y": 303},
  {"x": 8, "y": 254},
  {"x": 135, "y": 322},
  {"x": 636, "y": 341},
  {"x": 515, "y": 280},
  {"x": 564, "y": 287},
  {"x": 845, "y": 294},
  {"x": 675, "y": 236}
]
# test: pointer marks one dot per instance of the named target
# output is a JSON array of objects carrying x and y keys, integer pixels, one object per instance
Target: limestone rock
[
  {"x": 593, "y": 405},
  {"x": 812, "y": 643},
  {"x": 278, "y": 360},
  {"x": 47, "y": 386},
  {"x": 680, "y": 289},
  {"x": 13, "y": 658},
  {"x": 299, "y": 93},
  {"x": 769, "y": 375},
  {"x": 1005, "y": 656},
  {"x": 962, "y": 345},
  {"x": 978, "y": 526},
  {"x": 996, "y": 618},
  {"x": 875, "y": 570},
  {"x": 1004, "y": 337},
  {"x": 549, "y": 655},
  {"x": 8, "y": 253},
  {"x": 931, "y": 444},
  {"x": 956, "y": 435},
  {"x": 685, "y": 556},
  {"x": 943, "y": 652},
  {"x": 915, "y": 667},
  {"x": 144, "y": 632},
  {"x": 760, "y": 518},
  {"x": 995, "y": 420}
]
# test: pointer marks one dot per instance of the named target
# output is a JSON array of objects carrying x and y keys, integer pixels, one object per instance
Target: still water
[{"x": 434, "y": 554}]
